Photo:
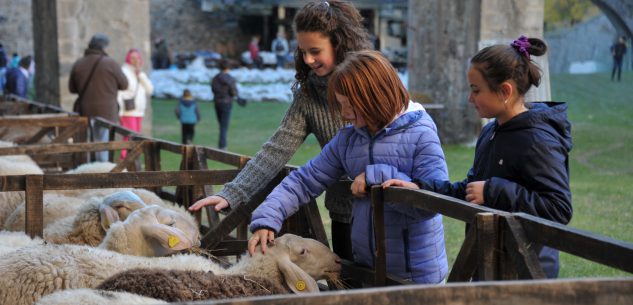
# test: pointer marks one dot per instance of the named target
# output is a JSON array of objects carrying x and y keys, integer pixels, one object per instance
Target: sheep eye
[{"x": 303, "y": 252}]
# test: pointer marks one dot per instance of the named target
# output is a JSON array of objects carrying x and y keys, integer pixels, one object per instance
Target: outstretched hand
[
  {"x": 263, "y": 237},
  {"x": 219, "y": 203}
]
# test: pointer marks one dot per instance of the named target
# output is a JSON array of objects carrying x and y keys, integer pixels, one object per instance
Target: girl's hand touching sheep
[
  {"x": 263, "y": 236},
  {"x": 398, "y": 182},
  {"x": 219, "y": 203},
  {"x": 475, "y": 192},
  {"x": 359, "y": 186}
]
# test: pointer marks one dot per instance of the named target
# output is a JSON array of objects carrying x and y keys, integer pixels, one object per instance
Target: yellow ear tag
[
  {"x": 300, "y": 285},
  {"x": 173, "y": 240}
]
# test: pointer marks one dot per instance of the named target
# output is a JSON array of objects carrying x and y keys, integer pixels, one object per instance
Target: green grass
[{"x": 601, "y": 162}]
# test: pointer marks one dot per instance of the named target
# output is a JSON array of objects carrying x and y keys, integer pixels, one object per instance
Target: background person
[{"x": 97, "y": 79}]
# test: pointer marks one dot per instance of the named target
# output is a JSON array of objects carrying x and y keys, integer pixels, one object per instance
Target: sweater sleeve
[
  {"x": 271, "y": 158},
  {"x": 298, "y": 188},
  {"x": 546, "y": 192}
]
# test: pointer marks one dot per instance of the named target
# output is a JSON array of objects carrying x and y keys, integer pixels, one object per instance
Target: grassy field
[{"x": 601, "y": 162}]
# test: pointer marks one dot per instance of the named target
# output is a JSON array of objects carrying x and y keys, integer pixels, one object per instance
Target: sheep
[
  {"x": 92, "y": 167},
  {"x": 11, "y": 241},
  {"x": 14, "y": 165},
  {"x": 93, "y": 219},
  {"x": 188, "y": 285},
  {"x": 29, "y": 273},
  {"x": 62, "y": 204},
  {"x": 86, "y": 296}
]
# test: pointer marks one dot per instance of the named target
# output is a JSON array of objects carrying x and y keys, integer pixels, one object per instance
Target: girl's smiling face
[
  {"x": 488, "y": 104},
  {"x": 348, "y": 113},
  {"x": 317, "y": 52}
]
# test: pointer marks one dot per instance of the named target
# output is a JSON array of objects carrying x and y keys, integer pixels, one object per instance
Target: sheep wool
[
  {"x": 188, "y": 285},
  {"x": 86, "y": 296}
]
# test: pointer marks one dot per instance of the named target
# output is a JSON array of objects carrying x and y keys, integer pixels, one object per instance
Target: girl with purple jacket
[{"x": 389, "y": 137}]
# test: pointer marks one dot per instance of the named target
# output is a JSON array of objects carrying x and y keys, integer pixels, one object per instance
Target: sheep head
[
  {"x": 117, "y": 207},
  {"x": 152, "y": 231},
  {"x": 304, "y": 260}
]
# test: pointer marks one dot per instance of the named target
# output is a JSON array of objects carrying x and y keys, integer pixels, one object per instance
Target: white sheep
[
  {"x": 85, "y": 296},
  {"x": 63, "y": 204},
  {"x": 30, "y": 273},
  {"x": 92, "y": 221},
  {"x": 14, "y": 165},
  {"x": 11, "y": 241}
]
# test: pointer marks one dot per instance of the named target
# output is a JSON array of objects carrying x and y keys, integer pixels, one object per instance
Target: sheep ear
[
  {"x": 296, "y": 279},
  {"x": 169, "y": 237},
  {"x": 108, "y": 216}
]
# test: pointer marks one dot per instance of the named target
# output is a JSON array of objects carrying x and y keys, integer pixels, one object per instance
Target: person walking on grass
[
  {"x": 522, "y": 156},
  {"x": 325, "y": 32},
  {"x": 188, "y": 114},
  {"x": 618, "y": 50},
  {"x": 224, "y": 90}
]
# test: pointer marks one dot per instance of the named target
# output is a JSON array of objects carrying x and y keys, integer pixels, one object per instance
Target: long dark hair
[
  {"x": 338, "y": 20},
  {"x": 500, "y": 63}
]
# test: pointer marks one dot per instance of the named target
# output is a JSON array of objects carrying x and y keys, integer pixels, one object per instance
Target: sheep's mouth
[{"x": 332, "y": 275}]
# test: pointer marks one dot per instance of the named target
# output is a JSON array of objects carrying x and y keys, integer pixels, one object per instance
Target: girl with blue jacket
[
  {"x": 521, "y": 158},
  {"x": 390, "y": 137}
]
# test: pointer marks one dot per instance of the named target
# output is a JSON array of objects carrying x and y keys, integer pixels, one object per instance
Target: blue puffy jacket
[
  {"x": 408, "y": 148},
  {"x": 525, "y": 165}
]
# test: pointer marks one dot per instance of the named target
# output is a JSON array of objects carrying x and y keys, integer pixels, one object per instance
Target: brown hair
[
  {"x": 372, "y": 86},
  {"x": 500, "y": 63},
  {"x": 340, "y": 21}
]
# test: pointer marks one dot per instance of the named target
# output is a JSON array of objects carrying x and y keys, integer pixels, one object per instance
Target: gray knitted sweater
[{"x": 308, "y": 113}]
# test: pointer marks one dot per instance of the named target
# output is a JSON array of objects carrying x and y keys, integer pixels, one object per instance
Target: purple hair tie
[{"x": 521, "y": 45}]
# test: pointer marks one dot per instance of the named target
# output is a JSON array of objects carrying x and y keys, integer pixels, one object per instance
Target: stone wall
[
  {"x": 587, "y": 42},
  {"x": 16, "y": 28},
  {"x": 185, "y": 27}
]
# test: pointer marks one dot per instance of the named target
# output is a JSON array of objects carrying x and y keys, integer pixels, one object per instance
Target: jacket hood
[
  {"x": 550, "y": 117},
  {"x": 414, "y": 114}
]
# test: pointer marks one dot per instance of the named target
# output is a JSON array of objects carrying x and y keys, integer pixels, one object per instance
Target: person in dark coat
[
  {"x": 99, "y": 98},
  {"x": 17, "y": 79},
  {"x": 521, "y": 157},
  {"x": 224, "y": 91},
  {"x": 618, "y": 50}
]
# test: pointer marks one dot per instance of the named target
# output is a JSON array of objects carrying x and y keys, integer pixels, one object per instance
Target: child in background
[
  {"x": 390, "y": 137},
  {"x": 521, "y": 157},
  {"x": 189, "y": 115}
]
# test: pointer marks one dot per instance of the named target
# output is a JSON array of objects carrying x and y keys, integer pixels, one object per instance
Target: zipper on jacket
[{"x": 371, "y": 210}]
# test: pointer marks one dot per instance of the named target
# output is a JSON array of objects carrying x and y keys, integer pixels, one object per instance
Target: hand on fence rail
[
  {"x": 475, "y": 192},
  {"x": 359, "y": 186},
  {"x": 217, "y": 201},
  {"x": 260, "y": 235},
  {"x": 398, "y": 182}
]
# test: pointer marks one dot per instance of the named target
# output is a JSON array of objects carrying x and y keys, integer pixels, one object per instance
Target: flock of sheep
[{"x": 125, "y": 246}]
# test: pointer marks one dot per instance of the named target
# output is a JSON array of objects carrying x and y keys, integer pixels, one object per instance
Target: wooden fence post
[
  {"x": 488, "y": 250},
  {"x": 34, "y": 209},
  {"x": 380, "y": 261}
]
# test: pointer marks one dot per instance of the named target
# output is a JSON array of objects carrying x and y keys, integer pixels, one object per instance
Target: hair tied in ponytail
[{"x": 521, "y": 45}]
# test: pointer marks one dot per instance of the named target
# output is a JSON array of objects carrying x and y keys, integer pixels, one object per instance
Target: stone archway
[{"x": 619, "y": 12}]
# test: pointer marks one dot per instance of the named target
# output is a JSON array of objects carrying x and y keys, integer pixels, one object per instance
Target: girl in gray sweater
[{"x": 325, "y": 31}]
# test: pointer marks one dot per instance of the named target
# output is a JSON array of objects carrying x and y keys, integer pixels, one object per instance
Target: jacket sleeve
[
  {"x": 445, "y": 187},
  {"x": 121, "y": 79},
  {"x": 232, "y": 87},
  {"x": 270, "y": 159},
  {"x": 146, "y": 83},
  {"x": 72, "y": 86},
  {"x": 22, "y": 83},
  {"x": 546, "y": 193},
  {"x": 298, "y": 188},
  {"x": 428, "y": 164}
]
